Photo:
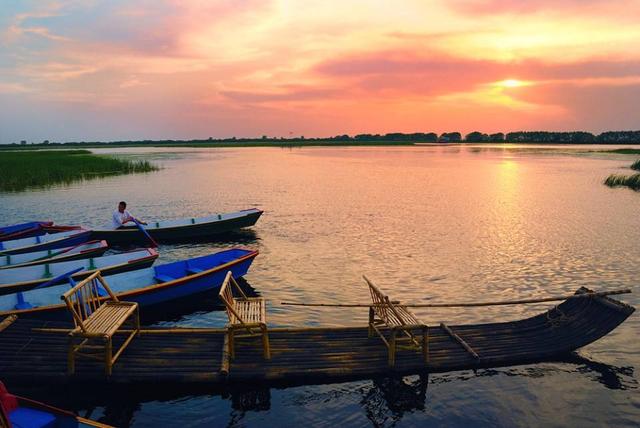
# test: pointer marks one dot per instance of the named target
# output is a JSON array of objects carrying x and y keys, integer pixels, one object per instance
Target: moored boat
[
  {"x": 80, "y": 251},
  {"x": 32, "y": 228},
  {"x": 181, "y": 229},
  {"x": 28, "y": 277},
  {"x": 44, "y": 242},
  {"x": 21, "y": 412},
  {"x": 147, "y": 287},
  {"x": 21, "y": 230}
]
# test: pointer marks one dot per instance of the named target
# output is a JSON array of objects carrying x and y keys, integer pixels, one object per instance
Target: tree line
[{"x": 574, "y": 137}]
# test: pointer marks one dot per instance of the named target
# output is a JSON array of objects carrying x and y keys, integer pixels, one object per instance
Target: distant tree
[
  {"x": 45, "y": 142},
  {"x": 23, "y": 142},
  {"x": 617, "y": 137},
  {"x": 431, "y": 137},
  {"x": 476, "y": 137},
  {"x": 499, "y": 136},
  {"x": 578, "y": 137},
  {"x": 264, "y": 137},
  {"x": 450, "y": 137}
]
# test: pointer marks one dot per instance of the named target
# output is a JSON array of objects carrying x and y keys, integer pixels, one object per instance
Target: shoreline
[{"x": 308, "y": 143}]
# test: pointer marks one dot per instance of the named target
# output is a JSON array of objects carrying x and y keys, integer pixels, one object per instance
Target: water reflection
[
  {"x": 182, "y": 311},
  {"x": 439, "y": 224},
  {"x": 390, "y": 397},
  {"x": 383, "y": 401}
]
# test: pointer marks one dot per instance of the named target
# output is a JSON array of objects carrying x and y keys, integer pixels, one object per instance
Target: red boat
[{"x": 20, "y": 412}]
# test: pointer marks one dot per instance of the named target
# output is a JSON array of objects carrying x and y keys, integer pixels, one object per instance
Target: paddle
[
  {"x": 154, "y": 244},
  {"x": 59, "y": 278},
  {"x": 23, "y": 304},
  {"x": 66, "y": 250}
]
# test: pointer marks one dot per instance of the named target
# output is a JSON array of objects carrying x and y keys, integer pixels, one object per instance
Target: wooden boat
[
  {"x": 80, "y": 251},
  {"x": 309, "y": 354},
  {"x": 28, "y": 277},
  {"x": 148, "y": 287},
  {"x": 21, "y": 412},
  {"x": 182, "y": 229},
  {"x": 22, "y": 230},
  {"x": 31, "y": 228},
  {"x": 44, "y": 242}
]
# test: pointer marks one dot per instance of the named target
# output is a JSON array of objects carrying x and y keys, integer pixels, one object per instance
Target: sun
[{"x": 512, "y": 83}]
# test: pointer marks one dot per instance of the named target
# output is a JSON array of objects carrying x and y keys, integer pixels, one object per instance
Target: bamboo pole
[
  {"x": 7, "y": 321},
  {"x": 470, "y": 304},
  {"x": 460, "y": 340}
]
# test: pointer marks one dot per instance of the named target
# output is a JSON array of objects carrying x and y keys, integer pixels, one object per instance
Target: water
[{"x": 455, "y": 223}]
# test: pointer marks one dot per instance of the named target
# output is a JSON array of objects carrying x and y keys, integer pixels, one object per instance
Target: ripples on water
[{"x": 426, "y": 224}]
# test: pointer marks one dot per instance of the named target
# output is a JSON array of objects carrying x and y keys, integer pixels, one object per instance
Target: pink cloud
[{"x": 521, "y": 6}]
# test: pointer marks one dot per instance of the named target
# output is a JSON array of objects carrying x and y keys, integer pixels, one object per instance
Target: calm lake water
[{"x": 441, "y": 224}]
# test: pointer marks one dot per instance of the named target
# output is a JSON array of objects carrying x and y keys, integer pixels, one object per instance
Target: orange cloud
[{"x": 200, "y": 68}]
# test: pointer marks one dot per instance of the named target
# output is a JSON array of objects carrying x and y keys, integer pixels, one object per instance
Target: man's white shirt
[{"x": 119, "y": 218}]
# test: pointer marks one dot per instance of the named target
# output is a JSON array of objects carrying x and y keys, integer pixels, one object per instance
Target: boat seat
[
  {"x": 25, "y": 417},
  {"x": 194, "y": 270},
  {"x": 163, "y": 278}
]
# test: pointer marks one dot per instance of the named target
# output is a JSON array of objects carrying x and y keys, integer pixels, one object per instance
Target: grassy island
[
  {"x": 631, "y": 181},
  {"x": 617, "y": 180},
  {"x": 25, "y": 169}
]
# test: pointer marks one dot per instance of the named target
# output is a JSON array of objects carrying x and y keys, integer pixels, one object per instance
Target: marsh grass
[
  {"x": 636, "y": 165},
  {"x": 25, "y": 169},
  {"x": 617, "y": 180},
  {"x": 622, "y": 151}
]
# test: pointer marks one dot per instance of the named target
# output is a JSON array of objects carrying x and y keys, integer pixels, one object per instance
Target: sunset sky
[{"x": 162, "y": 69}]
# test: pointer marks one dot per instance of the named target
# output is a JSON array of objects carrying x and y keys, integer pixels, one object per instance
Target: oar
[
  {"x": 59, "y": 278},
  {"x": 154, "y": 244},
  {"x": 66, "y": 250},
  {"x": 23, "y": 304}
]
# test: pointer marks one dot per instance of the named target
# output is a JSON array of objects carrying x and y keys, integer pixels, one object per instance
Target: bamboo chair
[
  {"x": 244, "y": 313},
  {"x": 401, "y": 323},
  {"x": 97, "y": 319}
]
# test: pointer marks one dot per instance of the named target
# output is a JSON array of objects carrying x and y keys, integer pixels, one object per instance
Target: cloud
[
  {"x": 13, "y": 88},
  {"x": 291, "y": 94},
  {"x": 521, "y": 6}
]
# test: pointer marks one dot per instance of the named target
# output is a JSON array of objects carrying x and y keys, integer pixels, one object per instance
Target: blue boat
[
  {"x": 8, "y": 232},
  {"x": 44, "y": 242},
  {"x": 80, "y": 251},
  {"x": 148, "y": 287},
  {"x": 31, "y": 228},
  {"x": 28, "y": 277},
  {"x": 21, "y": 412}
]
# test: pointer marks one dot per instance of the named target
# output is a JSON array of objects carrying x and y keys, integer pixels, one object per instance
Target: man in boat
[{"x": 121, "y": 216}]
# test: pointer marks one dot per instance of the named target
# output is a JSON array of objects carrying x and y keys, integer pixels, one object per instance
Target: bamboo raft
[{"x": 35, "y": 352}]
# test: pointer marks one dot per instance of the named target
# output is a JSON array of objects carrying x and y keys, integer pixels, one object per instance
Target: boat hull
[
  {"x": 68, "y": 241},
  {"x": 156, "y": 294},
  {"x": 197, "y": 231},
  {"x": 96, "y": 251},
  {"x": 118, "y": 266}
]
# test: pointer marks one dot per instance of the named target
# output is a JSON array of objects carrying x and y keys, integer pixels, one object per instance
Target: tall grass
[
  {"x": 636, "y": 165},
  {"x": 631, "y": 181},
  {"x": 623, "y": 151},
  {"x": 25, "y": 169}
]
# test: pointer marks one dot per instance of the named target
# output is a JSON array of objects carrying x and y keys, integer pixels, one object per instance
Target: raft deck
[{"x": 29, "y": 355}]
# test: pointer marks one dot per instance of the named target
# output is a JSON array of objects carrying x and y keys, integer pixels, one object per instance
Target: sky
[{"x": 167, "y": 69}]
